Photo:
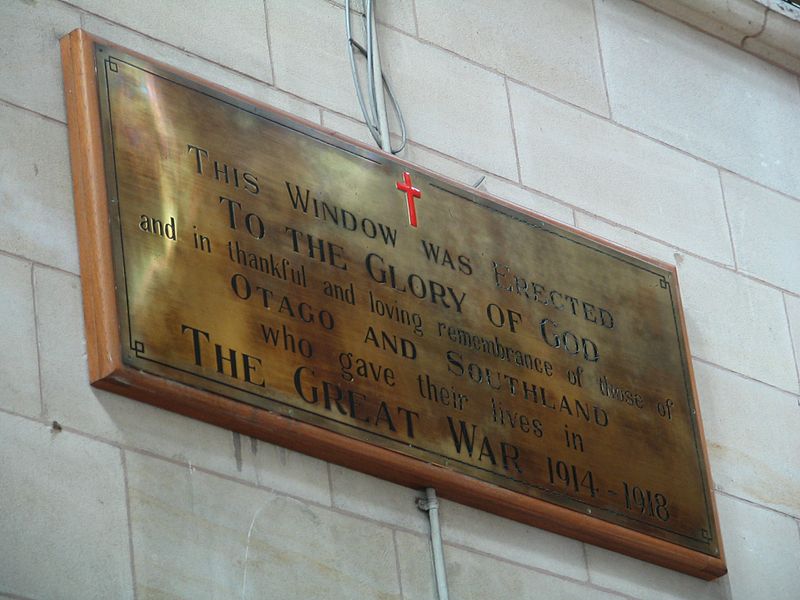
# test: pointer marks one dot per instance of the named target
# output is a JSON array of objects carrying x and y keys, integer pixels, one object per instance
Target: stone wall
[{"x": 605, "y": 115}]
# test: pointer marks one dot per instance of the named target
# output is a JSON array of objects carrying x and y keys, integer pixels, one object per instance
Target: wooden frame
[{"x": 107, "y": 371}]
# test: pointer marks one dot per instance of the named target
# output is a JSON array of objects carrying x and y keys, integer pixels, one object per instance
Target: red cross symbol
[{"x": 411, "y": 193}]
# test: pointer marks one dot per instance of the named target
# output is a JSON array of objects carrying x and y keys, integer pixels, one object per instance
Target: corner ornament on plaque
[{"x": 250, "y": 269}]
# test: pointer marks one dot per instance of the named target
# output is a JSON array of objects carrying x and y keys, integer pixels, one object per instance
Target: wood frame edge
[{"x": 91, "y": 202}]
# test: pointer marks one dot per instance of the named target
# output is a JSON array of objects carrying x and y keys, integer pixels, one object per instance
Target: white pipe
[
  {"x": 374, "y": 112},
  {"x": 431, "y": 504},
  {"x": 377, "y": 78}
]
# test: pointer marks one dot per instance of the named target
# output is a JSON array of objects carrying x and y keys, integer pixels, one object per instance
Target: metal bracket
[{"x": 426, "y": 504}]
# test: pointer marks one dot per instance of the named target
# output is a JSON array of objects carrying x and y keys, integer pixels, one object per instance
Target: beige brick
[
  {"x": 608, "y": 171},
  {"x": 439, "y": 111},
  {"x": 230, "y": 33},
  {"x": 63, "y": 521},
  {"x": 19, "y": 367},
  {"x": 416, "y": 566},
  {"x": 766, "y": 232},
  {"x": 473, "y": 576},
  {"x": 284, "y": 470},
  {"x": 298, "y": 551},
  {"x": 36, "y": 213},
  {"x": 737, "y": 323},
  {"x": 200, "y": 536},
  {"x": 548, "y": 44},
  {"x": 762, "y": 549},
  {"x": 751, "y": 433},
  {"x": 490, "y": 534},
  {"x": 457, "y": 171},
  {"x": 377, "y": 499},
  {"x": 709, "y": 98},
  {"x": 70, "y": 400},
  {"x": 528, "y": 199},
  {"x": 433, "y": 161},
  {"x": 625, "y": 237},
  {"x": 397, "y": 13},
  {"x": 309, "y": 53},
  {"x": 30, "y": 69},
  {"x": 451, "y": 105},
  {"x": 643, "y": 580},
  {"x": 793, "y": 312},
  {"x": 412, "y": 152},
  {"x": 210, "y": 71}
]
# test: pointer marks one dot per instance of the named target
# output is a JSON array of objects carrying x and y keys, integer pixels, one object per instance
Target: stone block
[
  {"x": 473, "y": 576},
  {"x": 415, "y": 561},
  {"x": 413, "y": 153},
  {"x": 762, "y": 548},
  {"x": 737, "y": 323},
  {"x": 528, "y": 199},
  {"x": 69, "y": 399},
  {"x": 793, "y": 312},
  {"x": 548, "y": 44},
  {"x": 395, "y": 13},
  {"x": 283, "y": 470},
  {"x": 765, "y": 227},
  {"x": 490, "y": 534},
  {"x": 638, "y": 579},
  {"x": 439, "y": 111},
  {"x": 308, "y": 59},
  {"x": 709, "y": 98},
  {"x": 452, "y": 169},
  {"x": 442, "y": 165},
  {"x": 19, "y": 368},
  {"x": 63, "y": 520},
  {"x": 30, "y": 69},
  {"x": 751, "y": 432},
  {"x": 200, "y": 536},
  {"x": 624, "y": 237},
  {"x": 614, "y": 173},
  {"x": 37, "y": 219},
  {"x": 450, "y": 104},
  {"x": 377, "y": 499},
  {"x": 233, "y": 34}
]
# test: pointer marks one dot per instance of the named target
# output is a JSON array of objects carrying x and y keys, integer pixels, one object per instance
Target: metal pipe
[
  {"x": 351, "y": 44},
  {"x": 376, "y": 78},
  {"x": 373, "y": 117},
  {"x": 431, "y": 504}
]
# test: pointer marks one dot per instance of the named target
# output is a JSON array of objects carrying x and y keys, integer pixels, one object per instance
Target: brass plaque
[{"x": 266, "y": 261}]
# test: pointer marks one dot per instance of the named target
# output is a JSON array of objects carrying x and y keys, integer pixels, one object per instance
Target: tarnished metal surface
[{"x": 262, "y": 260}]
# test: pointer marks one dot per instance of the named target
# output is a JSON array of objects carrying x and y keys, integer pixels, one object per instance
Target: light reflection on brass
[{"x": 500, "y": 346}]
